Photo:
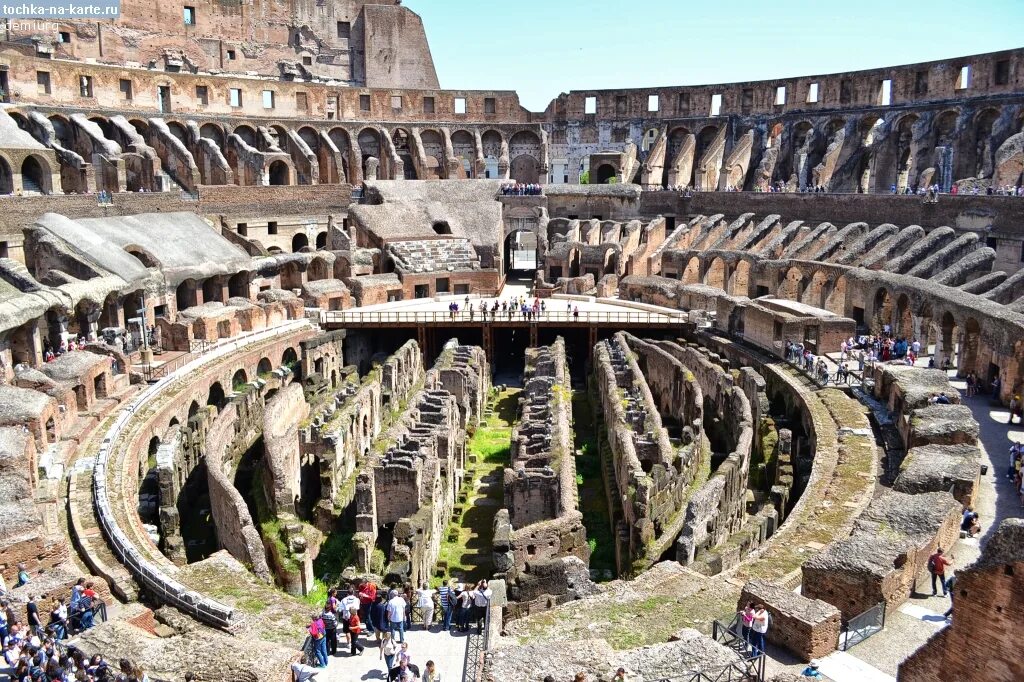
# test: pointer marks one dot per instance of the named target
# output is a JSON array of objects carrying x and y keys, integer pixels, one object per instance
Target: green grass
[
  {"x": 590, "y": 485},
  {"x": 469, "y": 554}
]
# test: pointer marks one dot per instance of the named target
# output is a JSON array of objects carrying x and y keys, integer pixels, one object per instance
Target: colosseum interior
[{"x": 430, "y": 336}]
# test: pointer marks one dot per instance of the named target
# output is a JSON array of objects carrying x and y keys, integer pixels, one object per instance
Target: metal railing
[
  {"x": 196, "y": 347},
  {"x": 750, "y": 667},
  {"x": 859, "y": 628},
  {"x": 356, "y": 316},
  {"x": 476, "y": 646},
  {"x": 148, "y": 574}
]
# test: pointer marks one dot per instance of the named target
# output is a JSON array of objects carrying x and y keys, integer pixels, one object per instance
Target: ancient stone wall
[
  {"x": 650, "y": 472},
  {"x": 541, "y": 525},
  {"x": 415, "y": 468},
  {"x": 886, "y": 553},
  {"x": 282, "y": 416},
  {"x": 540, "y": 483},
  {"x": 230, "y": 433},
  {"x": 987, "y": 597},
  {"x": 807, "y": 628}
]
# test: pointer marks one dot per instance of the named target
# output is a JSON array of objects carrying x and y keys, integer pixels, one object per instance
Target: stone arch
[
  {"x": 264, "y": 367},
  {"x": 321, "y": 240},
  {"x": 343, "y": 141},
  {"x": 981, "y": 161},
  {"x": 371, "y": 147},
  {"x": 279, "y": 173},
  {"x": 464, "y": 148},
  {"x": 299, "y": 241},
  {"x": 179, "y": 131},
  {"x": 216, "y": 397},
  {"x": 604, "y": 174},
  {"x": 239, "y": 380},
  {"x": 792, "y": 284},
  {"x": 835, "y": 297},
  {"x": 35, "y": 175},
  {"x": 142, "y": 255},
  {"x": 817, "y": 289},
  {"x": 6, "y": 177},
  {"x": 238, "y": 284},
  {"x": 433, "y": 155},
  {"x": 213, "y": 132},
  {"x": 402, "y": 140},
  {"x": 717, "y": 274},
  {"x": 525, "y": 142},
  {"x": 970, "y": 349},
  {"x": 739, "y": 279},
  {"x": 882, "y": 309},
  {"x": 492, "y": 143},
  {"x": 691, "y": 273},
  {"x": 193, "y": 409},
  {"x": 279, "y": 134},
  {"x": 185, "y": 294},
  {"x": 904, "y": 321},
  {"x": 318, "y": 269},
  {"x": 248, "y": 134},
  {"x": 213, "y": 290}
]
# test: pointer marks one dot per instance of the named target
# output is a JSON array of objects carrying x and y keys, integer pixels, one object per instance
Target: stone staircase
[{"x": 435, "y": 255}]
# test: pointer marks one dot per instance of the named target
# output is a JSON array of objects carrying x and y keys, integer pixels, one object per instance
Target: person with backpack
[
  {"x": 759, "y": 628},
  {"x": 937, "y": 565},
  {"x": 317, "y": 634}
]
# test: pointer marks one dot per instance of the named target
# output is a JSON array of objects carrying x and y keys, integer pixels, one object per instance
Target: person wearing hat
[{"x": 812, "y": 669}]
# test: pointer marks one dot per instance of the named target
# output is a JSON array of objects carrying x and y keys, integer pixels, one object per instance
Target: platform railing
[{"x": 634, "y": 317}]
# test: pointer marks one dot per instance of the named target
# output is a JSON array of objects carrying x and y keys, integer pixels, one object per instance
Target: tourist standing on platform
[
  {"x": 937, "y": 565},
  {"x": 330, "y": 619},
  {"x": 367, "y": 596},
  {"x": 425, "y": 602},
  {"x": 759, "y": 628},
  {"x": 379, "y": 615},
  {"x": 396, "y": 616},
  {"x": 389, "y": 651},
  {"x": 354, "y": 628},
  {"x": 444, "y": 595},
  {"x": 317, "y": 634}
]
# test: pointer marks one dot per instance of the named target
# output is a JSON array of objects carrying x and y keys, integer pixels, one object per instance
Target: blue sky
[{"x": 543, "y": 47}]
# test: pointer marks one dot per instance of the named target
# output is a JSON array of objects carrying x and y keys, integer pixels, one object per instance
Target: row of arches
[{"x": 33, "y": 175}]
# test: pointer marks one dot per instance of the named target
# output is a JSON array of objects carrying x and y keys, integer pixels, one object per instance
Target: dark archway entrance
[
  {"x": 521, "y": 252},
  {"x": 605, "y": 172},
  {"x": 279, "y": 174},
  {"x": 299, "y": 242}
]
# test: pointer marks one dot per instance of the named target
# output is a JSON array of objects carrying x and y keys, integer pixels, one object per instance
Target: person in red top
[
  {"x": 937, "y": 565},
  {"x": 367, "y": 595},
  {"x": 354, "y": 626}
]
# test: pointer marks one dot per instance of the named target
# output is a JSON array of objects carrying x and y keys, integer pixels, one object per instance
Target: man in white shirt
[
  {"x": 396, "y": 616},
  {"x": 481, "y": 601}
]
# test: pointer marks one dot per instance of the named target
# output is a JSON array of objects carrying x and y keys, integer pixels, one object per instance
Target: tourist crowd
[
  {"x": 516, "y": 189},
  {"x": 517, "y": 305},
  {"x": 362, "y": 611},
  {"x": 32, "y": 644}
]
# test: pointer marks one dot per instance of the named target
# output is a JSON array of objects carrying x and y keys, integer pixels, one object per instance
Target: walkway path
[
  {"x": 910, "y": 626},
  {"x": 447, "y": 651}
]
